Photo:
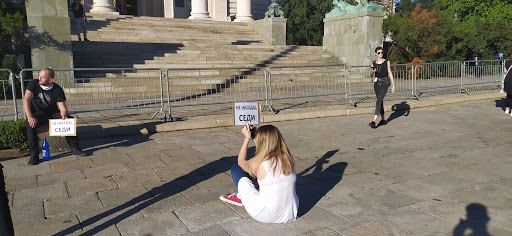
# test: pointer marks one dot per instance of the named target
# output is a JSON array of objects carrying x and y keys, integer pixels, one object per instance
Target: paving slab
[
  {"x": 62, "y": 177},
  {"x": 130, "y": 195},
  {"x": 91, "y": 185},
  {"x": 47, "y": 226},
  {"x": 65, "y": 166},
  {"x": 207, "y": 215},
  {"x": 71, "y": 206},
  {"x": 37, "y": 195},
  {"x": 162, "y": 224},
  {"x": 252, "y": 227}
]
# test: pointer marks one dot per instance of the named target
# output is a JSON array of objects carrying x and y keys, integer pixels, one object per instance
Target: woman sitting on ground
[{"x": 276, "y": 200}]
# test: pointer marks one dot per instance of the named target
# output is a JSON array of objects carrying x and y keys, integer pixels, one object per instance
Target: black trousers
[
  {"x": 508, "y": 100},
  {"x": 33, "y": 142},
  {"x": 381, "y": 88}
]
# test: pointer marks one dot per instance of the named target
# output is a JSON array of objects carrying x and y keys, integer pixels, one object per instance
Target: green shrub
[{"x": 11, "y": 134}]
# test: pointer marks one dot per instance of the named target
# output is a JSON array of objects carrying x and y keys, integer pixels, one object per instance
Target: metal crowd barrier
[
  {"x": 209, "y": 86},
  {"x": 305, "y": 82},
  {"x": 101, "y": 89},
  {"x": 438, "y": 78},
  {"x": 7, "y": 82},
  {"x": 480, "y": 75}
]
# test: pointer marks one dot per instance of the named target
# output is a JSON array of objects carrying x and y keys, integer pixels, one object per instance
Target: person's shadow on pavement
[
  {"x": 151, "y": 197},
  {"x": 476, "y": 221},
  {"x": 399, "y": 109},
  {"x": 312, "y": 187}
]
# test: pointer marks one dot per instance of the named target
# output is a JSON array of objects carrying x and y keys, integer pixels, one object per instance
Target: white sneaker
[
  {"x": 507, "y": 110},
  {"x": 510, "y": 114}
]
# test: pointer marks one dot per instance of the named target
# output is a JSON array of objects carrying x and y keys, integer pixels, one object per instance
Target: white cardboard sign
[
  {"x": 246, "y": 113},
  {"x": 60, "y": 127}
]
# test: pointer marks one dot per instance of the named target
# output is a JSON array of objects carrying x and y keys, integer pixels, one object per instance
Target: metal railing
[
  {"x": 99, "y": 89},
  {"x": 155, "y": 90},
  {"x": 8, "y": 94}
]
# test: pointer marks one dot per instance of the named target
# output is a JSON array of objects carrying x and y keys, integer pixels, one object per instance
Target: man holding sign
[{"x": 45, "y": 100}]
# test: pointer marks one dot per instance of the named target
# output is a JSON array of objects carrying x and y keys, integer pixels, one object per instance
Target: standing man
[
  {"x": 80, "y": 19},
  {"x": 45, "y": 100}
]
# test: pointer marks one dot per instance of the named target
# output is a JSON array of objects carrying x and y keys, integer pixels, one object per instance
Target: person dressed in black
[
  {"x": 79, "y": 19},
  {"x": 45, "y": 100},
  {"x": 506, "y": 86},
  {"x": 382, "y": 80}
]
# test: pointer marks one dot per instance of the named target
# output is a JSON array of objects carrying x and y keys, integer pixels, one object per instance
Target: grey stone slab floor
[{"x": 444, "y": 170}]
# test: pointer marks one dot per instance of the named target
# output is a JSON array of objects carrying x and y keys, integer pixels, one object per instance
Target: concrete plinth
[
  {"x": 49, "y": 33},
  {"x": 273, "y": 30},
  {"x": 353, "y": 37}
]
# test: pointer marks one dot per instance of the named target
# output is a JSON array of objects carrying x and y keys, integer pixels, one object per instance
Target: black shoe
[
  {"x": 383, "y": 122},
  {"x": 372, "y": 125},
  {"x": 33, "y": 160},
  {"x": 86, "y": 39},
  {"x": 78, "y": 152}
]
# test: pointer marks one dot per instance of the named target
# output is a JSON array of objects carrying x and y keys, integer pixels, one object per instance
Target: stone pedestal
[
  {"x": 273, "y": 30},
  {"x": 103, "y": 7},
  {"x": 243, "y": 11},
  {"x": 353, "y": 37},
  {"x": 49, "y": 34},
  {"x": 199, "y": 10}
]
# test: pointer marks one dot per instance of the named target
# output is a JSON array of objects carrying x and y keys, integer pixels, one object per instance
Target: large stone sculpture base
[
  {"x": 273, "y": 30},
  {"x": 49, "y": 34},
  {"x": 353, "y": 37}
]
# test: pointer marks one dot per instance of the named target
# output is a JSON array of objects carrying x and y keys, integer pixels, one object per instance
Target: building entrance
[{"x": 127, "y": 7}]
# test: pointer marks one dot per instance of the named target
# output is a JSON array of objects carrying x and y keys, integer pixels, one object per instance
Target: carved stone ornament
[
  {"x": 342, "y": 7},
  {"x": 274, "y": 10}
]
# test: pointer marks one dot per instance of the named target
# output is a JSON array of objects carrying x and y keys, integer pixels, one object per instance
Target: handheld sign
[
  {"x": 246, "y": 113},
  {"x": 59, "y": 127}
]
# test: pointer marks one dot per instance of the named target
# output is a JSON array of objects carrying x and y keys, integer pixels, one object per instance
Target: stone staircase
[{"x": 198, "y": 57}]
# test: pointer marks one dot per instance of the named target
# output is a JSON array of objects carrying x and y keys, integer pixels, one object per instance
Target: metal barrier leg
[
  {"x": 270, "y": 106},
  {"x": 161, "y": 111},
  {"x": 462, "y": 71}
]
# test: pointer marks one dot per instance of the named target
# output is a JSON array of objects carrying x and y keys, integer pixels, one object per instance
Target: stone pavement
[{"x": 431, "y": 171}]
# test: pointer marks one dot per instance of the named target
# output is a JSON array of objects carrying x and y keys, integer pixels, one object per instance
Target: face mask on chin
[{"x": 47, "y": 87}]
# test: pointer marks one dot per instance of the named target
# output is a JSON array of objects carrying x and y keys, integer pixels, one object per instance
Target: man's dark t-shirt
[
  {"x": 44, "y": 102},
  {"x": 78, "y": 13}
]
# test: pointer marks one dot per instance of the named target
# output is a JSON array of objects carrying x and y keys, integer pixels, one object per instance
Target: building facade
[{"x": 218, "y": 10}]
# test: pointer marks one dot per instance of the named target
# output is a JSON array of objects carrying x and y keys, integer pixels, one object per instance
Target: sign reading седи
[
  {"x": 246, "y": 113},
  {"x": 60, "y": 127}
]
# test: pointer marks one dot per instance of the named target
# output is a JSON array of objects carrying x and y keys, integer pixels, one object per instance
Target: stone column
[
  {"x": 169, "y": 8},
  {"x": 102, "y": 6},
  {"x": 199, "y": 10},
  {"x": 243, "y": 11}
]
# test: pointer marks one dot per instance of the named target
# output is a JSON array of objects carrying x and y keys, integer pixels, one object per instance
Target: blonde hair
[{"x": 270, "y": 145}]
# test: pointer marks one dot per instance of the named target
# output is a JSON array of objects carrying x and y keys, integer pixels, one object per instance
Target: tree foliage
[
  {"x": 12, "y": 23},
  {"x": 450, "y": 30},
  {"x": 305, "y": 20}
]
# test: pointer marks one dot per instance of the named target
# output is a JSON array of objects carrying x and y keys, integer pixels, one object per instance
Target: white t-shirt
[{"x": 275, "y": 202}]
